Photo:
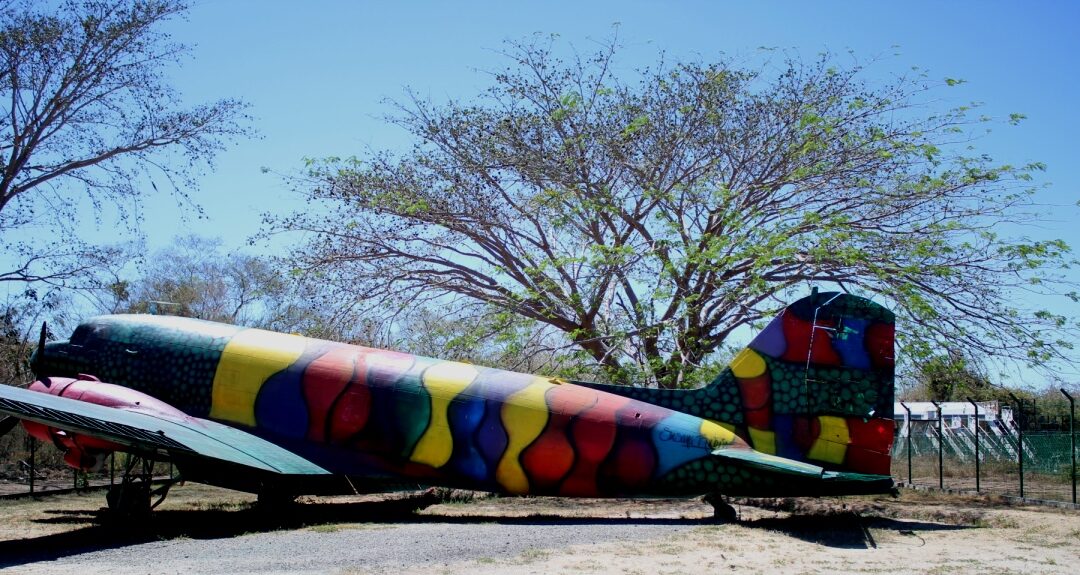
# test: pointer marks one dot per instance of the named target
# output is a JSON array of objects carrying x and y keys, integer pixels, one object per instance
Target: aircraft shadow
[
  {"x": 844, "y": 530},
  {"x": 106, "y": 532}
]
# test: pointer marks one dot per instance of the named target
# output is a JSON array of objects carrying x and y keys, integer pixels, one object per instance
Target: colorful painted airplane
[{"x": 804, "y": 410}]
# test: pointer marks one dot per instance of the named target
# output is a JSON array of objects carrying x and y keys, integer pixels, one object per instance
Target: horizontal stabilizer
[
  {"x": 147, "y": 432},
  {"x": 766, "y": 462},
  {"x": 802, "y": 479}
]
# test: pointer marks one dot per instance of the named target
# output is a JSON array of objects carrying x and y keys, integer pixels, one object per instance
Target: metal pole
[
  {"x": 112, "y": 468},
  {"x": 33, "y": 449},
  {"x": 940, "y": 448},
  {"x": 1072, "y": 440},
  {"x": 908, "y": 410},
  {"x": 976, "y": 406},
  {"x": 75, "y": 478},
  {"x": 1020, "y": 439}
]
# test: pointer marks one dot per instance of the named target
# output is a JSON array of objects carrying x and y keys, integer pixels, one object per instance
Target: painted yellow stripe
[
  {"x": 763, "y": 440},
  {"x": 729, "y": 427},
  {"x": 831, "y": 444},
  {"x": 248, "y": 360},
  {"x": 443, "y": 382},
  {"x": 717, "y": 434},
  {"x": 747, "y": 364},
  {"x": 524, "y": 416}
]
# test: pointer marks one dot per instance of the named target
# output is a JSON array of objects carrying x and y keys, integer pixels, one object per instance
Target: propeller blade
[
  {"x": 7, "y": 424},
  {"x": 39, "y": 355}
]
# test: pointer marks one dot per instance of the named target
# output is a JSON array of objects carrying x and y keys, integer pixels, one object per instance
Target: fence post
[
  {"x": 1020, "y": 439},
  {"x": 940, "y": 448},
  {"x": 976, "y": 406},
  {"x": 33, "y": 450},
  {"x": 908, "y": 410},
  {"x": 1072, "y": 441}
]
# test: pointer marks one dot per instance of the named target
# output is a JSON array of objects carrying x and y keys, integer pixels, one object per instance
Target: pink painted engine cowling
[{"x": 80, "y": 451}]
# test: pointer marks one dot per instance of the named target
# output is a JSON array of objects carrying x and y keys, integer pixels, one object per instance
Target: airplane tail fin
[{"x": 816, "y": 385}]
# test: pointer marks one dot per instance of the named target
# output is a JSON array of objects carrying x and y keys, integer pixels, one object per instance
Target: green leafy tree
[
  {"x": 87, "y": 118},
  {"x": 647, "y": 218},
  {"x": 954, "y": 377}
]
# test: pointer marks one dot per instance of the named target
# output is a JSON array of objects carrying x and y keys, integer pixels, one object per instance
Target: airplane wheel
[
  {"x": 132, "y": 496},
  {"x": 129, "y": 500},
  {"x": 722, "y": 511},
  {"x": 270, "y": 498}
]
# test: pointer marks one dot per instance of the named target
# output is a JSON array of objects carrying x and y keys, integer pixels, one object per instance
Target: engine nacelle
[{"x": 89, "y": 453}]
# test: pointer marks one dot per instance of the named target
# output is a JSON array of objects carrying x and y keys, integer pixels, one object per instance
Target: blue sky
[{"x": 317, "y": 73}]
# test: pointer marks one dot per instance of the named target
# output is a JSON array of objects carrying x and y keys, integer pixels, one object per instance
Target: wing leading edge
[{"x": 146, "y": 432}]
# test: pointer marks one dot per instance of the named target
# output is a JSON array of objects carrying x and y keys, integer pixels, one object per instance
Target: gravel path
[
  {"x": 202, "y": 530},
  {"x": 348, "y": 548}
]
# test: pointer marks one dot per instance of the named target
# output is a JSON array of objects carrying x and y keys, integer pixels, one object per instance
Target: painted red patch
[
  {"x": 632, "y": 464},
  {"x": 551, "y": 456},
  {"x": 756, "y": 394},
  {"x": 324, "y": 379},
  {"x": 350, "y": 413},
  {"x": 876, "y": 433},
  {"x": 799, "y": 333},
  {"x": 805, "y": 432},
  {"x": 871, "y": 445},
  {"x": 867, "y": 461},
  {"x": 879, "y": 344},
  {"x": 633, "y": 458},
  {"x": 593, "y": 436}
]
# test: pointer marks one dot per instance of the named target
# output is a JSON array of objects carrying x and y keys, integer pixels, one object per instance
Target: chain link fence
[{"x": 1045, "y": 468}]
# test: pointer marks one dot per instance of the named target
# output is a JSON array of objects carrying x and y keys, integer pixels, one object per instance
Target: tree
[
  {"x": 85, "y": 108},
  {"x": 496, "y": 338},
  {"x": 954, "y": 377},
  {"x": 648, "y": 219},
  {"x": 21, "y": 319},
  {"x": 194, "y": 277}
]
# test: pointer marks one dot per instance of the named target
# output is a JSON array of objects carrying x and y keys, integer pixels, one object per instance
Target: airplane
[{"x": 804, "y": 410}]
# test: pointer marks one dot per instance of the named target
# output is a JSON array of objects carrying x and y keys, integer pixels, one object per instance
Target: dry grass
[{"x": 924, "y": 532}]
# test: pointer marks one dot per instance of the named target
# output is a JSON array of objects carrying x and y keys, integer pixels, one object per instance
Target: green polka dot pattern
[
  {"x": 712, "y": 474},
  {"x": 719, "y": 401},
  {"x": 172, "y": 358}
]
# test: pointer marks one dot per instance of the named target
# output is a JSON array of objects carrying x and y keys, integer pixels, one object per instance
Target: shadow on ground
[
  {"x": 103, "y": 531},
  {"x": 844, "y": 530}
]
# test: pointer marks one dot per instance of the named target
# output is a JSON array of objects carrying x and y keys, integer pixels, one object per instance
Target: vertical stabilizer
[{"x": 815, "y": 385}]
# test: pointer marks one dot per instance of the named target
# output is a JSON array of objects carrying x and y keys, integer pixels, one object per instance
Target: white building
[{"x": 955, "y": 415}]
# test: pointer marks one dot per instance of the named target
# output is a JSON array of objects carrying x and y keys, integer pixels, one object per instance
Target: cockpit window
[{"x": 81, "y": 334}]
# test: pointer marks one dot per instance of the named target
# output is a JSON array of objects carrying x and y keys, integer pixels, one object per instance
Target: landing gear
[
  {"x": 135, "y": 495},
  {"x": 274, "y": 498},
  {"x": 722, "y": 510}
]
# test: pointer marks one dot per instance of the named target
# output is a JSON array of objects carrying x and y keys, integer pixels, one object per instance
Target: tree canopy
[
  {"x": 87, "y": 118},
  {"x": 648, "y": 216},
  {"x": 195, "y": 277}
]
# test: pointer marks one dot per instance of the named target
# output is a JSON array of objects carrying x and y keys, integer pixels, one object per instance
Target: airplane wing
[
  {"x": 817, "y": 481},
  {"x": 148, "y": 433}
]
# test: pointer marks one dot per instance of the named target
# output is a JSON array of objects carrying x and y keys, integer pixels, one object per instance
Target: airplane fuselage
[
  {"x": 804, "y": 409},
  {"x": 371, "y": 413}
]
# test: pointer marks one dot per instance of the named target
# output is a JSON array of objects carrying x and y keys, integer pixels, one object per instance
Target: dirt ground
[{"x": 204, "y": 530}]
